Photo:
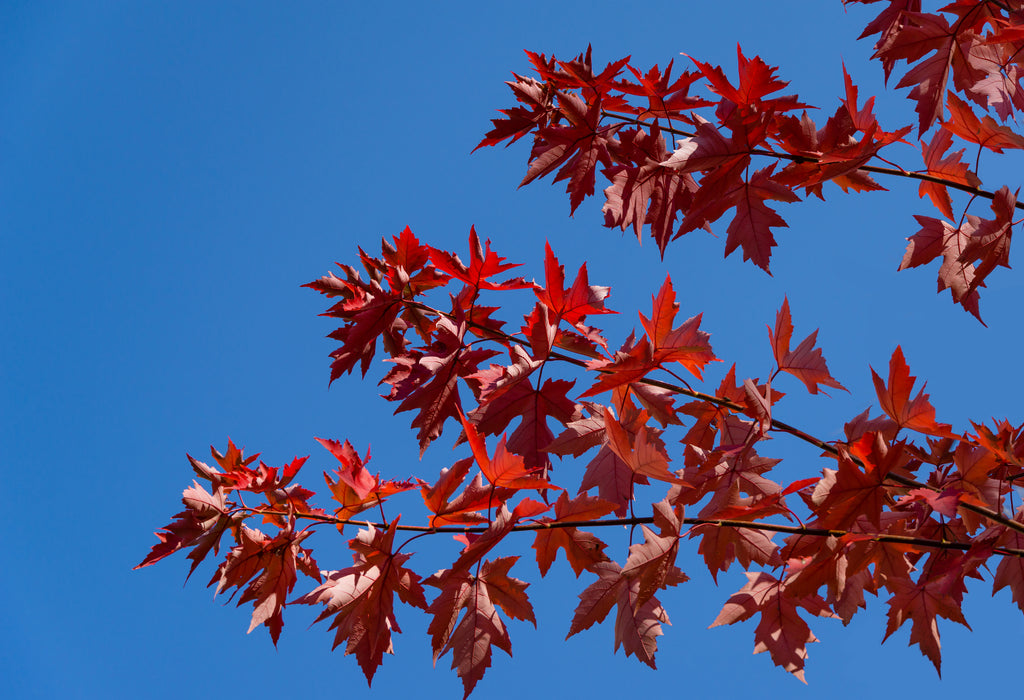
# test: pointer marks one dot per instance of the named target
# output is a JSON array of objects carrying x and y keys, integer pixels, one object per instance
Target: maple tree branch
[
  {"x": 633, "y": 521},
  {"x": 733, "y": 406},
  {"x": 877, "y": 169}
]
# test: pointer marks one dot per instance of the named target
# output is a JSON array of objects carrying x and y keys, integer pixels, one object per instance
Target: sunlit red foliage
[{"x": 906, "y": 509}]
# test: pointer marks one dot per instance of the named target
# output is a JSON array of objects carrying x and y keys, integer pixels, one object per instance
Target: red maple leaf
[
  {"x": 607, "y": 472},
  {"x": 475, "y": 597},
  {"x": 505, "y": 469},
  {"x": 888, "y": 23},
  {"x": 506, "y": 393},
  {"x": 720, "y": 471},
  {"x": 685, "y": 344},
  {"x": 646, "y": 192},
  {"x": 355, "y": 488},
  {"x": 637, "y": 626},
  {"x": 579, "y": 72},
  {"x": 353, "y": 472},
  {"x": 574, "y": 304},
  {"x": 644, "y": 456},
  {"x": 483, "y": 264},
  {"x": 465, "y": 508},
  {"x": 940, "y": 238},
  {"x": 520, "y": 121},
  {"x": 985, "y": 131},
  {"x": 612, "y": 477},
  {"x": 894, "y": 397},
  {"x": 989, "y": 244},
  {"x": 756, "y": 81},
  {"x": 1010, "y": 572},
  {"x": 576, "y": 147},
  {"x": 938, "y": 592},
  {"x": 582, "y": 549},
  {"x": 652, "y": 563},
  {"x": 266, "y": 567},
  {"x": 369, "y": 312},
  {"x": 950, "y": 168},
  {"x": 728, "y": 187},
  {"x": 938, "y": 49},
  {"x": 751, "y": 227},
  {"x": 665, "y": 98},
  {"x": 361, "y": 597},
  {"x": 708, "y": 150},
  {"x": 274, "y": 484},
  {"x": 427, "y": 380},
  {"x": 832, "y": 153},
  {"x": 806, "y": 363},
  {"x": 859, "y": 488},
  {"x": 205, "y": 519},
  {"x": 581, "y": 434},
  {"x": 781, "y": 631},
  {"x": 237, "y": 473},
  {"x": 721, "y": 545}
]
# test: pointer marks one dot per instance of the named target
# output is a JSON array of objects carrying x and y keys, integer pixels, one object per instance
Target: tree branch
[
  {"x": 625, "y": 522},
  {"x": 733, "y": 406},
  {"x": 897, "y": 172}
]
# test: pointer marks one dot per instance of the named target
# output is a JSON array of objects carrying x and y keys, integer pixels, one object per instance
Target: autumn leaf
[
  {"x": 519, "y": 121},
  {"x": 647, "y": 192},
  {"x": 708, "y": 149},
  {"x": 860, "y": 487},
  {"x": 507, "y": 393},
  {"x": 989, "y": 244},
  {"x": 505, "y": 469},
  {"x": 266, "y": 567},
  {"x": 369, "y": 312},
  {"x": 1010, "y": 572},
  {"x": 894, "y": 397},
  {"x": 938, "y": 592},
  {"x": 949, "y": 168},
  {"x": 572, "y": 304},
  {"x": 686, "y": 344},
  {"x": 427, "y": 381},
  {"x": 781, "y": 631},
  {"x": 645, "y": 457},
  {"x": 465, "y": 508},
  {"x": 355, "y": 488},
  {"x": 576, "y": 147},
  {"x": 806, "y": 363},
  {"x": 483, "y": 265},
  {"x": 651, "y": 563},
  {"x": 201, "y": 525},
  {"x": 361, "y": 597},
  {"x": 637, "y": 627},
  {"x": 940, "y": 238},
  {"x": 352, "y": 472},
  {"x": 475, "y": 597},
  {"x": 582, "y": 549},
  {"x": 985, "y": 131}
]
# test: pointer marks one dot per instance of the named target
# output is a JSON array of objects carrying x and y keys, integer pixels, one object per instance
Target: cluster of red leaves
[
  {"x": 908, "y": 509},
  {"x": 908, "y": 520},
  {"x": 616, "y": 121}
]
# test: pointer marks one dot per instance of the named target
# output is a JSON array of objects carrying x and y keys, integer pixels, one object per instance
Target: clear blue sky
[{"x": 170, "y": 173}]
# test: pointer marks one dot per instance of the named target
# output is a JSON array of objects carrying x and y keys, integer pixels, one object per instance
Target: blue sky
[{"x": 171, "y": 173}]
